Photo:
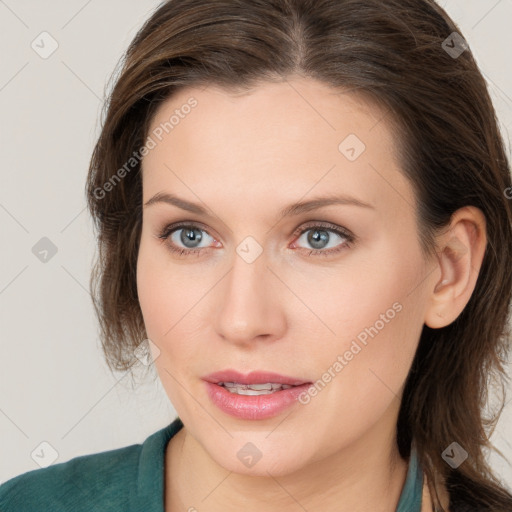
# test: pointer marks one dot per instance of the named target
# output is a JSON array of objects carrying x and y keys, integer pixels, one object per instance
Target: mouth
[{"x": 257, "y": 395}]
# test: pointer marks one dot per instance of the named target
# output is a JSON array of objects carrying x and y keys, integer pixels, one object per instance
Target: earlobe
[{"x": 462, "y": 249}]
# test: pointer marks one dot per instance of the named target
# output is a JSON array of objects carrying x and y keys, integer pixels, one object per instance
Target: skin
[{"x": 245, "y": 157}]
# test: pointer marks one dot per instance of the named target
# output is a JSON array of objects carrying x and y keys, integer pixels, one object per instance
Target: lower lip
[{"x": 254, "y": 407}]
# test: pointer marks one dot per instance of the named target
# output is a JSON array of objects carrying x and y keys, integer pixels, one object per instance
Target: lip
[
  {"x": 255, "y": 377},
  {"x": 253, "y": 407}
]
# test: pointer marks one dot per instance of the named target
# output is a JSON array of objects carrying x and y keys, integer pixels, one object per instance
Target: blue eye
[
  {"x": 191, "y": 235},
  {"x": 188, "y": 234},
  {"x": 319, "y": 237}
]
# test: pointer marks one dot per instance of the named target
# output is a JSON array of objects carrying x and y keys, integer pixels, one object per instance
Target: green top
[
  {"x": 129, "y": 479},
  {"x": 410, "y": 499}
]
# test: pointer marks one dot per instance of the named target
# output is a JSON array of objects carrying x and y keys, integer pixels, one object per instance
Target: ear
[{"x": 459, "y": 258}]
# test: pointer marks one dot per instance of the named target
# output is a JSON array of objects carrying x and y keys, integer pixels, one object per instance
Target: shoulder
[
  {"x": 76, "y": 485},
  {"x": 128, "y": 478}
]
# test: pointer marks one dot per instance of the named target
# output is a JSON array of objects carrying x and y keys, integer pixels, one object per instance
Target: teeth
[
  {"x": 253, "y": 389},
  {"x": 261, "y": 387},
  {"x": 248, "y": 391}
]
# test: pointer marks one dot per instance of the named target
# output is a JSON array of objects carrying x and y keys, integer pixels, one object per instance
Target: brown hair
[{"x": 395, "y": 53}]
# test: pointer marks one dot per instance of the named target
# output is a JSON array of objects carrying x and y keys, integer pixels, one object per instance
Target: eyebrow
[{"x": 291, "y": 210}]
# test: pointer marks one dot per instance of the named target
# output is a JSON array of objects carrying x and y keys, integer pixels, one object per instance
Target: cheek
[
  {"x": 162, "y": 293},
  {"x": 154, "y": 302},
  {"x": 376, "y": 316},
  {"x": 163, "y": 305},
  {"x": 168, "y": 299}
]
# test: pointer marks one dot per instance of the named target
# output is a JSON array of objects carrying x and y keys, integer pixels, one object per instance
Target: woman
[{"x": 303, "y": 216}]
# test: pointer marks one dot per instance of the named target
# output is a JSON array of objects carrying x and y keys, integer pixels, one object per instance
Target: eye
[
  {"x": 323, "y": 243},
  {"x": 188, "y": 235},
  {"x": 186, "y": 238}
]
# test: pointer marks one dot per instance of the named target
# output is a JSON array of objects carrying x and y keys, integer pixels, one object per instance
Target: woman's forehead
[{"x": 290, "y": 136}]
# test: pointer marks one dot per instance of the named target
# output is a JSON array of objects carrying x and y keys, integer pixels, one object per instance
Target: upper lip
[{"x": 255, "y": 377}]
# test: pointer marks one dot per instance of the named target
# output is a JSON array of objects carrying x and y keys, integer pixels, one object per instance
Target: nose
[{"x": 250, "y": 306}]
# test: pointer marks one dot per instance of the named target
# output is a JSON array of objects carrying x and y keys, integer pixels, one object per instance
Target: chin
[{"x": 258, "y": 458}]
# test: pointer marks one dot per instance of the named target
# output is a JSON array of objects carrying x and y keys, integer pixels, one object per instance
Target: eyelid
[
  {"x": 328, "y": 226},
  {"x": 173, "y": 226}
]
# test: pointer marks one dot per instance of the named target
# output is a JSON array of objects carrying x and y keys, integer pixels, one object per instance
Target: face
[{"x": 330, "y": 294}]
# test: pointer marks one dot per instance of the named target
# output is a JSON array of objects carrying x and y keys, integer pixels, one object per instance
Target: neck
[{"x": 366, "y": 475}]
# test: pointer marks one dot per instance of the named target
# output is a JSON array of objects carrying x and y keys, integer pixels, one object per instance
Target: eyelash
[{"x": 349, "y": 238}]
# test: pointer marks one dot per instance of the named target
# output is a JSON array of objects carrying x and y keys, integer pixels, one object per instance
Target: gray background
[{"x": 55, "y": 385}]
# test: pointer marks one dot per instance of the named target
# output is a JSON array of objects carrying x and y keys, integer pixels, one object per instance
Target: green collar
[{"x": 410, "y": 499}]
